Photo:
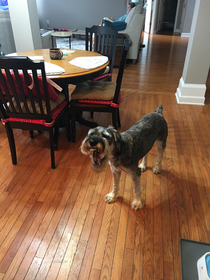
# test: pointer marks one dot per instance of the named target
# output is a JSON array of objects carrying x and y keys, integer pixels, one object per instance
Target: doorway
[{"x": 166, "y": 16}]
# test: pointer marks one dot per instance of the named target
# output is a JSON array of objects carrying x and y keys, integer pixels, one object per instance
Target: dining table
[{"x": 74, "y": 67}]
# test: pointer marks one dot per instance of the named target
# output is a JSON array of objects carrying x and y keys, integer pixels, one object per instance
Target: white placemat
[
  {"x": 52, "y": 69},
  {"x": 89, "y": 62}
]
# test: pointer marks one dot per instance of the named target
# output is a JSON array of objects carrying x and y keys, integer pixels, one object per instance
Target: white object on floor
[{"x": 203, "y": 266}]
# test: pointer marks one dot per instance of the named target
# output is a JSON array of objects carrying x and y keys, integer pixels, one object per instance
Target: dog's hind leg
[
  {"x": 161, "y": 147},
  {"x": 143, "y": 164},
  {"x": 137, "y": 201},
  {"x": 113, "y": 195}
]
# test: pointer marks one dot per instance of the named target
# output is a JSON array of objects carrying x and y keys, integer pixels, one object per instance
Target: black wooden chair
[
  {"x": 102, "y": 40},
  {"x": 29, "y": 102},
  {"x": 99, "y": 96}
]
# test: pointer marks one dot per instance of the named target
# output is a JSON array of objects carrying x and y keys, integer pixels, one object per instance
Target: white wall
[
  {"x": 6, "y": 34},
  {"x": 77, "y": 14},
  {"x": 25, "y": 24},
  {"x": 188, "y": 16}
]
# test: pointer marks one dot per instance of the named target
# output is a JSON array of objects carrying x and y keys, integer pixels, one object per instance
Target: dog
[{"x": 124, "y": 150}]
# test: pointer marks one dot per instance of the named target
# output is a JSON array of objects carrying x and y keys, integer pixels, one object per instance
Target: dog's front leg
[
  {"x": 113, "y": 195},
  {"x": 137, "y": 201},
  {"x": 143, "y": 164}
]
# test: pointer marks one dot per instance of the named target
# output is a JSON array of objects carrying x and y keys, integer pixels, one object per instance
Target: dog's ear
[
  {"x": 83, "y": 147},
  {"x": 116, "y": 136}
]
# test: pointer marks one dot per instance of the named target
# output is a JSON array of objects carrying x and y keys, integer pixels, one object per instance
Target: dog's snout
[{"x": 93, "y": 142}]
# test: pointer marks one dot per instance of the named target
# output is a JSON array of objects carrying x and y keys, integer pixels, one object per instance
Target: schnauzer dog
[{"x": 124, "y": 150}]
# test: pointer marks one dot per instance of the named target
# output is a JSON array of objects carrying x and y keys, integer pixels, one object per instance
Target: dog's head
[{"x": 99, "y": 144}]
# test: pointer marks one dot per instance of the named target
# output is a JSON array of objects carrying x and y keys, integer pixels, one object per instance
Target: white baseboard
[
  {"x": 185, "y": 35},
  {"x": 190, "y": 93}
]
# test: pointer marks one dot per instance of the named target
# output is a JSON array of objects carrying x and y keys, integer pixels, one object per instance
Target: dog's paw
[
  {"x": 142, "y": 167},
  {"x": 156, "y": 169},
  {"x": 137, "y": 204},
  {"x": 110, "y": 197}
]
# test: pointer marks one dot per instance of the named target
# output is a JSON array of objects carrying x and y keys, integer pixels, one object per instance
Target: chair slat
[{"x": 20, "y": 86}]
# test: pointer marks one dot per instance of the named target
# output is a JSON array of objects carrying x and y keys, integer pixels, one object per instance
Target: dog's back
[{"x": 145, "y": 132}]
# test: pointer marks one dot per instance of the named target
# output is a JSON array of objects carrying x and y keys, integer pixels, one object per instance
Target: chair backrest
[
  {"x": 126, "y": 45},
  {"x": 23, "y": 88},
  {"x": 103, "y": 40}
]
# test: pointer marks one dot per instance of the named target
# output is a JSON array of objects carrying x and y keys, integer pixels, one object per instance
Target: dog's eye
[
  {"x": 106, "y": 134},
  {"x": 90, "y": 132}
]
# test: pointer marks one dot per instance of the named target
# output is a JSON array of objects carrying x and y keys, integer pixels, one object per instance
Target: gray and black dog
[{"x": 124, "y": 150}]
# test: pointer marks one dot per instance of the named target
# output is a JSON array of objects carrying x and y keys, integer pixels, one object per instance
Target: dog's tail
[{"x": 159, "y": 109}]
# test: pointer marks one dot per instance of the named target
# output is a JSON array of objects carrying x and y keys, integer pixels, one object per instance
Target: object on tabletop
[{"x": 55, "y": 53}]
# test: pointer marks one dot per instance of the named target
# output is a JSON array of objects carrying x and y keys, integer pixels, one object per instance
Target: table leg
[
  {"x": 52, "y": 41},
  {"x": 85, "y": 122},
  {"x": 69, "y": 42},
  {"x": 79, "y": 117}
]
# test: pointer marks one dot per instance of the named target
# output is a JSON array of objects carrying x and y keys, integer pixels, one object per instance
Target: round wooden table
[{"x": 72, "y": 74}]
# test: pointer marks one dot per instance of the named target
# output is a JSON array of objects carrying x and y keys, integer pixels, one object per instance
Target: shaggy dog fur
[{"x": 124, "y": 150}]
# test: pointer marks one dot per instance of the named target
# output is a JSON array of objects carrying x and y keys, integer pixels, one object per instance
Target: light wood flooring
[{"x": 55, "y": 224}]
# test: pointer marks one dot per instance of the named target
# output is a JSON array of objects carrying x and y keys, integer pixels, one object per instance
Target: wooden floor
[{"x": 54, "y": 224}]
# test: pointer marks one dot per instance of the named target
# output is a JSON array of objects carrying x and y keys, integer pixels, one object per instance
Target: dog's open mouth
[{"x": 97, "y": 157}]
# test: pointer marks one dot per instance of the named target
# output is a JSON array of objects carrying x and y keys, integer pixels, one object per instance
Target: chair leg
[
  {"x": 11, "y": 140},
  {"x": 56, "y": 136},
  {"x": 68, "y": 127},
  {"x": 114, "y": 118},
  {"x": 118, "y": 117},
  {"x": 73, "y": 125},
  {"x": 31, "y": 132},
  {"x": 52, "y": 149}
]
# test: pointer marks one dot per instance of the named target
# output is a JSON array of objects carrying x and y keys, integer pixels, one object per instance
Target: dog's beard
[{"x": 98, "y": 153}]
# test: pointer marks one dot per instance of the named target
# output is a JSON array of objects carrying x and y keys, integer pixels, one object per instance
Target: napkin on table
[{"x": 89, "y": 62}]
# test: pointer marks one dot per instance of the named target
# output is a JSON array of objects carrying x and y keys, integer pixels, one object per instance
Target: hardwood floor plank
[
  {"x": 53, "y": 272},
  {"x": 77, "y": 261},
  {"x": 139, "y": 245},
  {"x": 85, "y": 198},
  {"x": 5, "y": 263},
  {"x": 122, "y": 228},
  {"x": 31, "y": 274},
  {"x": 92, "y": 242},
  {"x": 148, "y": 265},
  {"x": 127, "y": 269}
]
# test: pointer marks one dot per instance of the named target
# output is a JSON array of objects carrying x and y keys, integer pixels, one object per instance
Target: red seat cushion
[
  {"x": 54, "y": 115},
  {"x": 51, "y": 91}
]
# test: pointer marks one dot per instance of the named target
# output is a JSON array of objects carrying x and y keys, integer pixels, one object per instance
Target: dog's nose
[{"x": 93, "y": 142}]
